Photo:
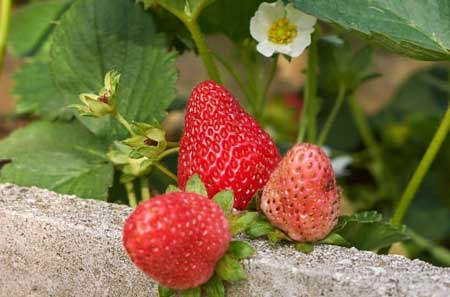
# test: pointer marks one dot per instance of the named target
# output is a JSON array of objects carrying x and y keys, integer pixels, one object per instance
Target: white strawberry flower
[{"x": 281, "y": 29}]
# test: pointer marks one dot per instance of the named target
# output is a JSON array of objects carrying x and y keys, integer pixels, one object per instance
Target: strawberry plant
[{"x": 98, "y": 86}]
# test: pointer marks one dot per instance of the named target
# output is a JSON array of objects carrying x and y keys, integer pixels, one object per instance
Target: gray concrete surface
[{"x": 54, "y": 245}]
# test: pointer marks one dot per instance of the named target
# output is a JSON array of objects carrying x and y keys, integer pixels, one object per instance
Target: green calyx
[
  {"x": 103, "y": 103},
  {"x": 148, "y": 140},
  {"x": 130, "y": 166}
]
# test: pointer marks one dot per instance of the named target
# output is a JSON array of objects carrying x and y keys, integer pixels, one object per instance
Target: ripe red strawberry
[
  {"x": 177, "y": 238},
  {"x": 224, "y": 145},
  {"x": 301, "y": 196}
]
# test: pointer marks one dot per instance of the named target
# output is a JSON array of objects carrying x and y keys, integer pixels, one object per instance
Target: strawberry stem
[
  {"x": 124, "y": 123},
  {"x": 307, "y": 125},
  {"x": 131, "y": 195},
  {"x": 421, "y": 170},
  {"x": 332, "y": 116},
  {"x": 203, "y": 49},
  {"x": 168, "y": 152},
  {"x": 263, "y": 99},
  {"x": 145, "y": 189},
  {"x": 166, "y": 171},
  {"x": 5, "y": 13}
]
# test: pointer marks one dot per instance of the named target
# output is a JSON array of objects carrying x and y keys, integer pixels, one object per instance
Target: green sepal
[
  {"x": 304, "y": 247},
  {"x": 260, "y": 227},
  {"x": 195, "y": 292},
  {"x": 172, "y": 188},
  {"x": 242, "y": 221},
  {"x": 255, "y": 201},
  {"x": 165, "y": 292},
  {"x": 335, "y": 239},
  {"x": 277, "y": 235},
  {"x": 225, "y": 200},
  {"x": 195, "y": 185},
  {"x": 149, "y": 140},
  {"x": 241, "y": 249},
  {"x": 229, "y": 269},
  {"x": 214, "y": 287}
]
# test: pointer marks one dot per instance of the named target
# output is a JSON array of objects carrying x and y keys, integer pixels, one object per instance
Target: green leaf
[
  {"x": 195, "y": 292},
  {"x": 32, "y": 24},
  {"x": 419, "y": 29},
  {"x": 334, "y": 239},
  {"x": 241, "y": 249},
  {"x": 195, "y": 185},
  {"x": 36, "y": 92},
  {"x": 367, "y": 231},
  {"x": 186, "y": 10},
  {"x": 214, "y": 287},
  {"x": 260, "y": 227},
  {"x": 339, "y": 65},
  {"x": 172, "y": 188},
  {"x": 223, "y": 17},
  {"x": 165, "y": 292},
  {"x": 45, "y": 155},
  {"x": 304, "y": 247},
  {"x": 242, "y": 221},
  {"x": 225, "y": 200},
  {"x": 229, "y": 269},
  {"x": 98, "y": 36}
]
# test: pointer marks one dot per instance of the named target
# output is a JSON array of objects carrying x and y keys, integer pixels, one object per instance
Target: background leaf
[
  {"x": 415, "y": 28},
  {"x": 31, "y": 25},
  {"x": 97, "y": 36},
  {"x": 367, "y": 231},
  {"x": 45, "y": 155},
  {"x": 224, "y": 17},
  {"x": 36, "y": 92}
]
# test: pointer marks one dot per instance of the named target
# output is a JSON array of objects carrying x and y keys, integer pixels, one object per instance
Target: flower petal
[
  {"x": 266, "y": 48},
  {"x": 298, "y": 17},
  {"x": 259, "y": 28},
  {"x": 302, "y": 41},
  {"x": 264, "y": 17}
]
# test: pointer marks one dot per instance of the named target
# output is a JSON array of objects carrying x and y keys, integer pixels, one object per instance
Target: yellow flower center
[{"x": 282, "y": 32}]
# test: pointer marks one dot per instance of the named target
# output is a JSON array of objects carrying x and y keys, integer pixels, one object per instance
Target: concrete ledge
[{"x": 55, "y": 245}]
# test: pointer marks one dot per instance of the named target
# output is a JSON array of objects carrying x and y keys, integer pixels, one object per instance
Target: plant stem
[
  {"x": 203, "y": 50},
  {"x": 172, "y": 144},
  {"x": 131, "y": 195},
  {"x": 233, "y": 74},
  {"x": 331, "y": 118},
  {"x": 166, "y": 171},
  {"x": 145, "y": 189},
  {"x": 308, "y": 116},
  {"x": 439, "y": 252},
  {"x": 168, "y": 152},
  {"x": 362, "y": 124},
  {"x": 263, "y": 99},
  {"x": 5, "y": 14},
  {"x": 421, "y": 170},
  {"x": 124, "y": 122}
]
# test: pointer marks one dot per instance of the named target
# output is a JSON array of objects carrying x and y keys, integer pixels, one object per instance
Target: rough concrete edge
[{"x": 38, "y": 214}]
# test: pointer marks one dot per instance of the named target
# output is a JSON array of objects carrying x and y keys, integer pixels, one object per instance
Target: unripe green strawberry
[
  {"x": 224, "y": 145},
  {"x": 301, "y": 197},
  {"x": 177, "y": 238}
]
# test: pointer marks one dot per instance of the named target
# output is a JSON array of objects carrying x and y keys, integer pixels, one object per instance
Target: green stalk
[
  {"x": 308, "y": 116},
  {"x": 421, "y": 170},
  {"x": 131, "y": 195},
  {"x": 263, "y": 99},
  {"x": 124, "y": 122},
  {"x": 332, "y": 117},
  {"x": 145, "y": 189},
  {"x": 5, "y": 15},
  {"x": 362, "y": 124},
  {"x": 235, "y": 76},
  {"x": 168, "y": 152},
  {"x": 203, "y": 50},
  {"x": 166, "y": 171}
]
